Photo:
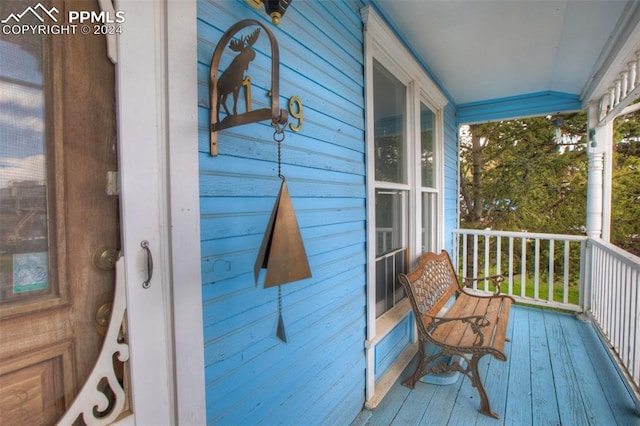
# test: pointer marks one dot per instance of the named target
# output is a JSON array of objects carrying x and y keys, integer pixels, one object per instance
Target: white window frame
[{"x": 382, "y": 44}]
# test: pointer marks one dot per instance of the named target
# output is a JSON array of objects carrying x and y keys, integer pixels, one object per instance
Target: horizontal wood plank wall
[
  {"x": 450, "y": 175},
  {"x": 318, "y": 376}
]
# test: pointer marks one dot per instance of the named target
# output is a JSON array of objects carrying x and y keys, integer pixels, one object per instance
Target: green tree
[
  {"x": 625, "y": 202},
  {"x": 526, "y": 174}
]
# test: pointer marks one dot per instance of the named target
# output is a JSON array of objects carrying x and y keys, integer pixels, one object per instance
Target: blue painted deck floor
[{"x": 557, "y": 373}]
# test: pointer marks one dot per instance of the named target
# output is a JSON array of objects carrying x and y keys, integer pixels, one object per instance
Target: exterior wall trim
[
  {"x": 184, "y": 210},
  {"x": 527, "y": 105}
]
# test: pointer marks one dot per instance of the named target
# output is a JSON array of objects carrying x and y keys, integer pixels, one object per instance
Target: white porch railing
[
  {"x": 540, "y": 269},
  {"x": 569, "y": 272},
  {"x": 614, "y": 304}
]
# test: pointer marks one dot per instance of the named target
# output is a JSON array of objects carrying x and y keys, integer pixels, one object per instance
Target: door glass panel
[
  {"x": 24, "y": 256},
  {"x": 389, "y": 114},
  {"x": 427, "y": 119},
  {"x": 57, "y": 145}
]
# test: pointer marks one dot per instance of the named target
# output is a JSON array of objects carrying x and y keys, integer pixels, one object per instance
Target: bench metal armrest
[
  {"x": 477, "y": 322},
  {"x": 495, "y": 279}
]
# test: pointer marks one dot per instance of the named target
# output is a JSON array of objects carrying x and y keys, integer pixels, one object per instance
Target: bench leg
[
  {"x": 411, "y": 381},
  {"x": 421, "y": 367},
  {"x": 476, "y": 381}
]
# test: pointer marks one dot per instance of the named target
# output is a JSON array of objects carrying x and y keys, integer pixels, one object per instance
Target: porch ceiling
[{"x": 480, "y": 50}]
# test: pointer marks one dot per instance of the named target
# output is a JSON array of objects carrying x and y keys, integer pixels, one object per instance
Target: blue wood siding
[
  {"x": 450, "y": 175},
  {"x": 318, "y": 377}
]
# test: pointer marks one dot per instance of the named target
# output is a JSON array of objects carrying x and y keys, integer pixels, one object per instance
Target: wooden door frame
[{"x": 156, "y": 86}]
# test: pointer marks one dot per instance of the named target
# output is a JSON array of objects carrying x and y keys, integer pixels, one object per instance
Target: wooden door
[{"x": 58, "y": 207}]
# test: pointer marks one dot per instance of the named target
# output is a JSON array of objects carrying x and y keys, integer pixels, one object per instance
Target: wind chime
[{"x": 282, "y": 251}]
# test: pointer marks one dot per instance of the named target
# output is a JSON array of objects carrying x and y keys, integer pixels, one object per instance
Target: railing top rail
[
  {"x": 538, "y": 235},
  {"x": 617, "y": 252}
]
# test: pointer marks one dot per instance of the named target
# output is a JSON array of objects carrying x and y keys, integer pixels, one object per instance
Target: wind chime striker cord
[{"x": 278, "y": 137}]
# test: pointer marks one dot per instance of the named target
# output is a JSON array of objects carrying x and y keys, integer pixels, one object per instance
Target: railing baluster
[
  {"x": 551, "y": 257},
  {"x": 632, "y": 74},
  {"x": 487, "y": 261},
  {"x": 565, "y": 282},
  {"x": 624, "y": 80},
  {"x": 536, "y": 270},
  {"x": 510, "y": 265},
  {"x": 475, "y": 259},
  {"x": 626, "y": 312},
  {"x": 498, "y": 255},
  {"x": 464, "y": 255},
  {"x": 523, "y": 276},
  {"x": 635, "y": 331}
]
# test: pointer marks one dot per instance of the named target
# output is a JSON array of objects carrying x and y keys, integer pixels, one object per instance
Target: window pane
[
  {"x": 427, "y": 118},
  {"x": 429, "y": 223},
  {"x": 24, "y": 257},
  {"x": 390, "y": 218},
  {"x": 389, "y": 115},
  {"x": 400, "y": 267},
  {"x": 389, "y": 290}
]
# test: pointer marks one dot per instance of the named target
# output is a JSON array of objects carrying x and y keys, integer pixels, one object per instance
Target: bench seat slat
[
  {"x": 501, "y": 325},
  {"x": 451, "y": 333}
]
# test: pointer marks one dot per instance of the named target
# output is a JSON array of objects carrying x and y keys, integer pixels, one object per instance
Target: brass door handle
[{"x": 145, "y": 245}]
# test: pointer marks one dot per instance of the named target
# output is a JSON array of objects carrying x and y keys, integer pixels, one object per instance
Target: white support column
[
  {"x": 599, "y": 176},
  {"x": 594, "y": 195},
  {"x": 607, "y": 178}
]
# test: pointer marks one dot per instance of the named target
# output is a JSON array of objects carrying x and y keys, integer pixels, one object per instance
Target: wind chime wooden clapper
[{"x": 282, "y": 251}]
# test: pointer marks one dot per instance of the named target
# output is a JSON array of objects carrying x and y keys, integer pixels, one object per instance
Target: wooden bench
[{"x": 474, "y": 326}]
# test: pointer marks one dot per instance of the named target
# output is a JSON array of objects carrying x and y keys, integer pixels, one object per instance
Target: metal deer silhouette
[{"x": 231, "y": 79}]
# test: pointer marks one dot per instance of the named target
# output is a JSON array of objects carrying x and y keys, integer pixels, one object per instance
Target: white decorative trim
[
  {"x": 90, "y": 398},
  {"x": 182, "y": 96},
  {"x": 112, "y": 47}
]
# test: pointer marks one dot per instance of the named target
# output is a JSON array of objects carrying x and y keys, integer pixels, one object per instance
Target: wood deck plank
[
  {"x": 496, "y": 381},
  {"x": 566, "y": 384},
  {"x": 543, "y": 394},
  {"x": 415, "y": 407},
  {"x": 619, "y": 400},
  {"x": 522, "y": 390},
  {"x": 518, "y": 395},
  {"x": 594, "y": 395}
]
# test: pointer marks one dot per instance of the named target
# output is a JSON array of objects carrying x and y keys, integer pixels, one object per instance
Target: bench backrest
[{"x": 430, "y": 285}]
